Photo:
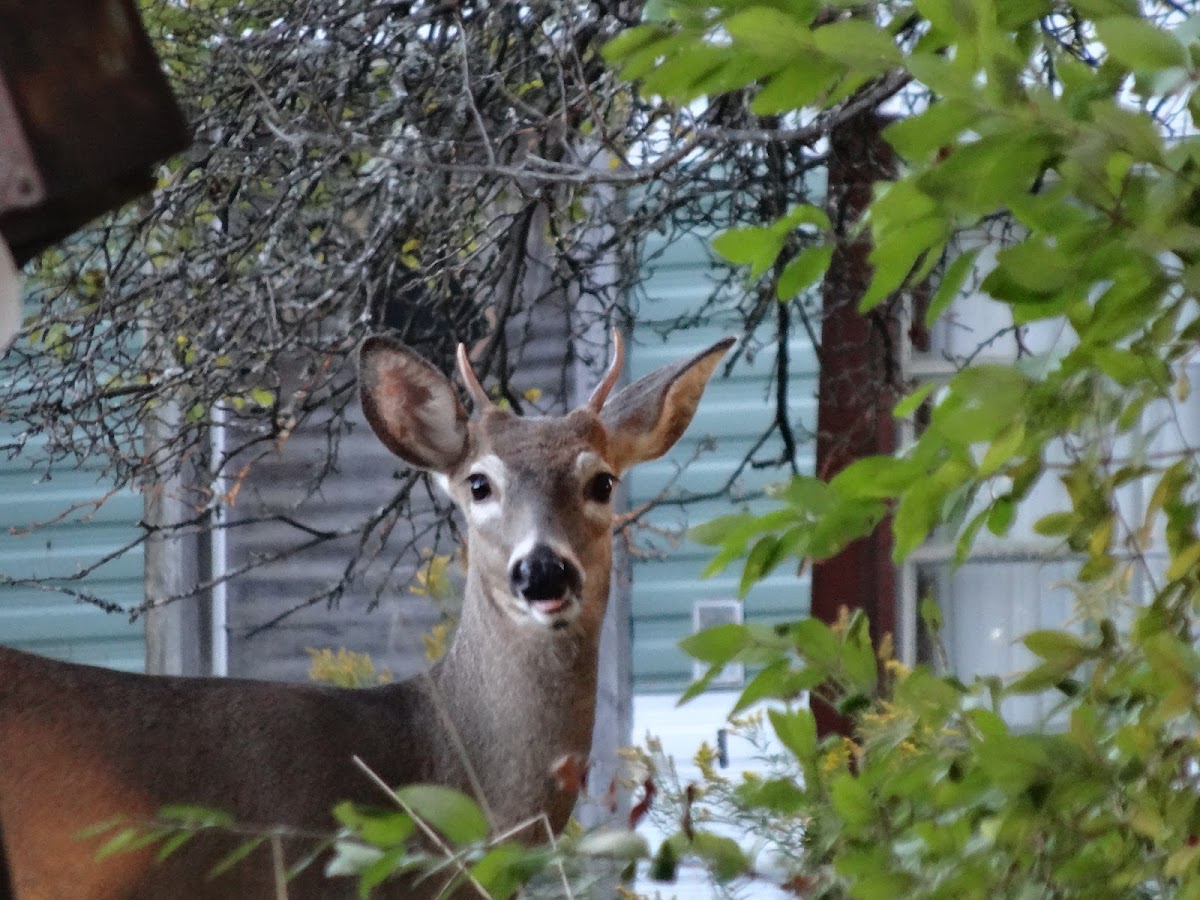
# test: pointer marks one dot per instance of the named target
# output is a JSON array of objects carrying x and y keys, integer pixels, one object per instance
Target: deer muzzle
[{"x": 546, "y": 581}]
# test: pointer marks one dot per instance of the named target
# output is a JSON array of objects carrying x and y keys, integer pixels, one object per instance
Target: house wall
[
  {"x": 57, "y": 624},
  {"x": 735, "y": 411}
]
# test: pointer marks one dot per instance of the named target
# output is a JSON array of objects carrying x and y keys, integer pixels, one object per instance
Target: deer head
[{"x": 536, "y": 492}]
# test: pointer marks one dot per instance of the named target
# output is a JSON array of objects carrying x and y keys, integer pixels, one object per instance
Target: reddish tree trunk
[{"x": 859, "y": 358}]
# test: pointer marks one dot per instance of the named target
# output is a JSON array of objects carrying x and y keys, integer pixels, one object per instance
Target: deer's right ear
[{"x": 411, "y": 406}]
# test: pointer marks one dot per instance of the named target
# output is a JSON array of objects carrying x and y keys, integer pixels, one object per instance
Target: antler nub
[
  {"x": 478, "y": 395},
  {"x": 600, "y": 394}
]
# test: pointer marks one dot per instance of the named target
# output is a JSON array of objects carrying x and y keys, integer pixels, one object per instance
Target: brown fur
[{"x": 81, "y": 745}]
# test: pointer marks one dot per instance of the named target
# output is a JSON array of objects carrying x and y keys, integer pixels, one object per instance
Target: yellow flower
[
  {"x": 435, "y": 641},
  {"x": 887, "y": 648},
  {"x": 433, "y": 578},
  {"x": 897, "y": 669},
  {"x": 346, "y": 669},
  {"x": 831, "y": 761}
]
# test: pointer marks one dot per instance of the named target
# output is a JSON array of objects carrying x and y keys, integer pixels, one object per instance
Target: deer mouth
[
  {"x": 555, "y": 613},
  {"x": 551, "y": 606}
]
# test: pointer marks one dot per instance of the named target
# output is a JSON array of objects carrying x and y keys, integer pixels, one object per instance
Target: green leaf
[
  {"x": 858, "y": 657},
  {"x": 1058, "y": 523},
  {"x": 1184, "y": 562},
  {"x": 806, "y": 493},
  {"x": 931, "y": 615},
  {"x": 680, "y": 76},
  {"x": 614, "y": 844},
  {"x": 196, "y": 816},
  {"x": 263, "y": 397},
  {"x": 700, "y": 685},
  {"x": 875, "y": 477},
  {"x": 796, "y": 730},
  {"x": 1127, "y": 368},
  {"x": 897, "y": 254},
  {"x": 955, "y": 17},
  {"x": 723, "y": 856},
  {"x": 851, "y": 800},
  {"x": 1168, "y": 654},
  {"x": 1011, "y": 14},
  {"x": 966, "y": 538},
  {"x": 804, "y": 269},
  {"x": 1138, "y": 44},
  {"x": 1060, "y": 646},
  {"x": 1099, "y": 9},
  {"x": 1131, "y": 131},
  {"x": 805, "y": 214},
  {"x": 920, "y": 509},
  {"x": 717, "y": 531},
  {"x": 795, "y": 86},
  {"x": 1003, "y": 448},
  {"x": 632, "y": 39},
  {"x": 505, "y": 868},
  {"x": 123, "y": 840},
  {"x": 383, "y": 829},
  {"x": 665, "y": 863},
  {"x": 94, "y": 831},
  {"x": 235, "y": 856},
  {"x": 1042, "y": 677},
  {"x": 1037, "y": 267},
  {"x": 778, "y": 795},
  {"x": 857, "y": 43},
  {"x": 172, "y": 843},
  {"x": 916, "y": 137},
  {"x": 769, "y": 33},
  {"x": 453, "y": 814},
  {"x": 646, "y": 58},
  {"x": 776, "y": 681},
  {"x": 767, "y": 553},
  {"x": 391, "y": 863},
  {"x": 815, "y": 641},
  {"x": 754, "y": 246},
  {"x": 717, "y": 645},
  {"x": 913, "y": 401},
  {"x": 978, "y": 178},
  {"x": 1000, "y": 516},
  {"x": 982, "y": 400},
  {"x": 1013, "y": 761}
]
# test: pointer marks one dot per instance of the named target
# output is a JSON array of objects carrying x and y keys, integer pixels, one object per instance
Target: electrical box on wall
[{"x": 707, "y": 614}]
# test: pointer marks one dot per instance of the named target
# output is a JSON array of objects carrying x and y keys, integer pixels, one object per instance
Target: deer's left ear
[
  {"x": 646, "y": 418},
  {"x": 411, "y": 406}
]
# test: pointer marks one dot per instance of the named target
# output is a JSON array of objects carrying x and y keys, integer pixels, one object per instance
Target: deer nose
[{"x": 542, "y": 575}]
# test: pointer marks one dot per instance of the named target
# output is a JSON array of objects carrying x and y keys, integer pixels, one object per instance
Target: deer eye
[
  {"x": 481, "y": 488},
  {"x": 600, "y": 488}
]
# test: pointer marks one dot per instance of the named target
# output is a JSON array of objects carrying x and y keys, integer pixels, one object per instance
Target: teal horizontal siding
[
  {"x": 732, "y": 415},
  {"x": 52, "y": 623}
]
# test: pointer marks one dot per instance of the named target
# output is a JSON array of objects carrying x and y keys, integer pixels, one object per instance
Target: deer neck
[{"x": 521, "y": 697}]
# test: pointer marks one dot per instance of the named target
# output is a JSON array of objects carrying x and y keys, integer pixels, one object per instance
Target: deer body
[{"x": 514, "y": 693}]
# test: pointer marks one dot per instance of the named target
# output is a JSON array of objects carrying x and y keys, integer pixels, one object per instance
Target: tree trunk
[{"x": 859, "y": 364}]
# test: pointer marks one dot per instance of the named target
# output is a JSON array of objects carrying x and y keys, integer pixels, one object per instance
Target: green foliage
[
  {"x": 1107, "y": 244},
  {"x": 430, "y": 835},
  {"x": 1055, "y": 119}
]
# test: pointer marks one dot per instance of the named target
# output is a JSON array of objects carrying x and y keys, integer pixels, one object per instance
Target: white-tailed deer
[{"x": 514, "y": 693}]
